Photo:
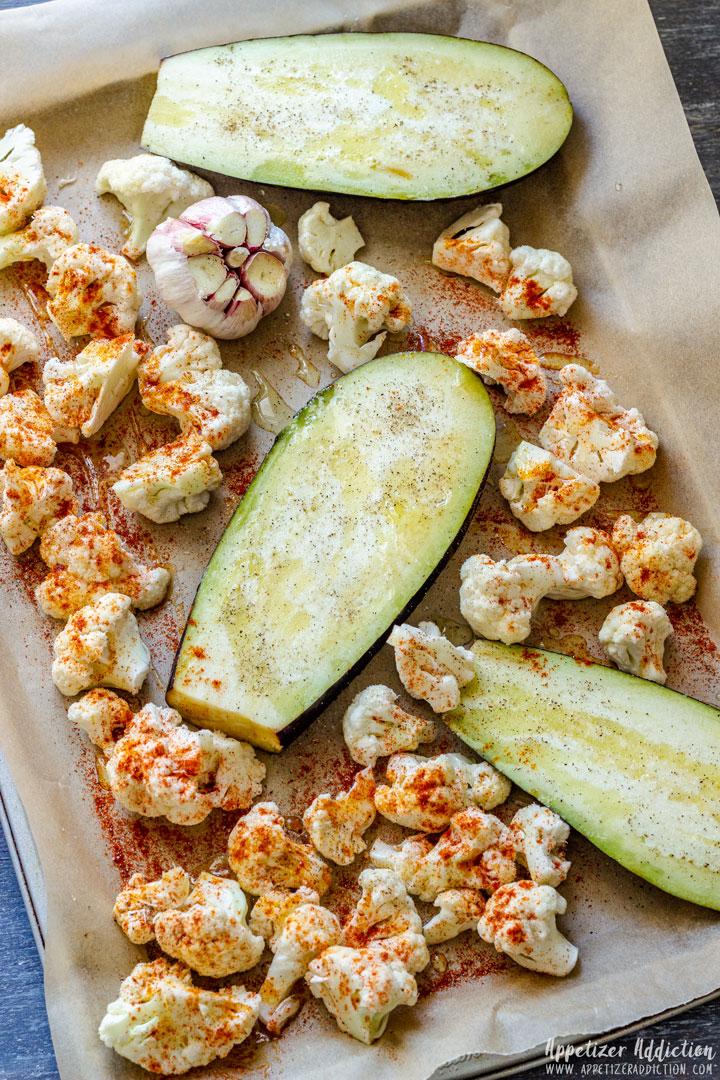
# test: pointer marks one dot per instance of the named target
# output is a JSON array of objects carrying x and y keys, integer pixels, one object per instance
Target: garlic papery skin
[{"x": 221, "y": 265}]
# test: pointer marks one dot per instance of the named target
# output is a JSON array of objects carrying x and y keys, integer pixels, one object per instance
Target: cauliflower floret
[
  {"x": 209, "y": 931},
  {"x": 349, "y": 307},
  {"x": 22, "y": 180},
  {"x": 33, "y": 499},
  {"x": 657, "y": 556},
  {"x": 386, "y": 922},
  {"x": 374, "y": 726},
  {"x": 476, "y": 245},
  {"x": 93, "y": 292},
  {"x": 633, "y": 635},
  {"x": 26, "y": 429},
  {"x": 590, "y": 431},
  {"x": 460, "y": 910},
  {"x": 508, "y": 359},
  {"x": 151, "y": 189},
  {"x": 425, "y": 793},
  {"x": 540, "y": 284},
  {"x": 360, "y": 989},
  {"x": 272, "y": 909},
  {"x": 543, "y": 491},
  {"x": 326, "y": 243},
  {"x": 335, "y": 824},
  {"x": 307, "y": 931},
  {"x": 49, "y": 233},
  {"x": 188, "y": 352},
  {"x": 166, "y": 1025},
  {"x": 103, "y": 716},
  {"x": 498, "y": 599},
  {"x": 430, "y": 667},
  {"x": 519, "y": 919},
  {"x": 263, "y": 856},
  {"x": 88, "y": 561},
  {"x": 588, "y": 566},
  {"x": 101, "y": 646},
  {"x": 537, "y": 837},
  {"x": 139, "y": 903},
  {"x": 173, "y": 480},
  {"x": 81, "y": 394},
  {"x": 466, "y": 855},
  {"x": 18, "y": 345}
]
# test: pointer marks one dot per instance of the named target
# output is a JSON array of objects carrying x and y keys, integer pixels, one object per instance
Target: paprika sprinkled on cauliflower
[
  {"x": 326, "y": 243},
  {"x": 519, "y": 919},
  {"x": 375, "y": 726},
  {"x": 509, "y": 359},
  {"x": 263, "y": 856},
  {"x": 33, "y": 500},
  {"x": 209, "y": 931},
  {"x": 139, "y": 903},
  {"x": 93, "y": 292},
  {"x": 103, "y": 716},
  {"x": 101, "y": 646},
  {"x": 543, "y": 491},
  {"x": 22, "y": 180},
  {"x": 173, "y": 480},
  {"x": 18, "y": 345},
  {"x": 151, "y": 189},
  {"x": 633, "y": 635},
  {"x": 459, "y": 910},
  {"x": 386, "y": 923},
  {"x": 540, "y": 284},
  {"x": 270, "y": 910},
  {"x": 476, "y": 245},
  {"x": 537, "y": 836},
  {"x": 81, "y": 394},
  {"x": 498, "y": 599},
  {"x": 657, "y": 556},
  {"x": 26, "y": 429},
  {"x": 589, "y": 430},
  {"x": 349, "y": 307},
  {"x": 430, "y": 667},
  {"x": 588, "y": 566},
  {"x": 166, "y": 1025},
  {"x": 49, "y": 233},
  {"x": 425, "y": 793},
  {"x": 336, "y": 823},
  {"x": 466, "y": 855}
]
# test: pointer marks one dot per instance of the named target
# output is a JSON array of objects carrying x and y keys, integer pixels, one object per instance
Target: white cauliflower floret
[
  {"x": 49, "y": 233},
  {"x": 151, "y": 189},
  {"x": 540, "y": 284},
  {"x": 466, "y": 856},
  {"x": 335, "y": 824},
  {"x": 498, "y": 599},
  {"x": 93, "y": 292},
  {"x": 81, "y": 394},
  {"x": 307, "y": 931},
  {"x": 588, "y": 566},
  {"x": 26, "y": 429},
  {"x": 18, "y": 345},
  {"x": 272, "y": 909},
  {"x": 22, "y": 180},
  {"x": 87, "y": 561},
  {"x": 33, "y": 499},
  {"x": 543, "y": 491},
  {"x": 326, "y": 243},
  {"x": 103, "y": 716},
  {"x": 425, "y": 793},
  {"x": 509, "y": 359},
  {"x": 460, "y": 910},
  {"x": 263, "y": 856},
  {"x": 590, "y": 431},
  {"x": 166, "y": 1025},
  {"x": 173, "y": 480},
  {"x": 431, "y": 667},
  {"x": 375, "y": 726},
  {"x": 476, "y": 245},
  {"x": 208, "y": 931},
  {"x": 101, "y": 646},
  {"x": 139, "y": 903},
  {"x": 633, "y": 635},
  {"x": 349, "y": 307},
  {"x": 386, "y": 923},
  {"x": 657, "y": 556},
  {"x": 188, "y": 352},
  {"x": 537, "y": 837},
  {"x": 519, "y": 919}
]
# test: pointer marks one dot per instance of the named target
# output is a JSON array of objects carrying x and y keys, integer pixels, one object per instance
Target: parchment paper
[{"x": 627, "y": 203}]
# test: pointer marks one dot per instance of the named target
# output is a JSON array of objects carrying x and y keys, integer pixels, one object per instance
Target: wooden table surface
[{"x": 690, "y": 33}]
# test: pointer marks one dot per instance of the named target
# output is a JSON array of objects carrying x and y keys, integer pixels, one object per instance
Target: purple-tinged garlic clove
[{"x": 264, "y": 276}]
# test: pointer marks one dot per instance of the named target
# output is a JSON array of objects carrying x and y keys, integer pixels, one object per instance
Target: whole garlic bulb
[{"x": 221, "y": 265}]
